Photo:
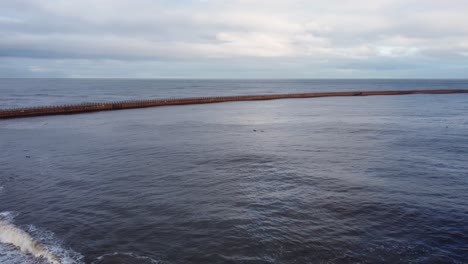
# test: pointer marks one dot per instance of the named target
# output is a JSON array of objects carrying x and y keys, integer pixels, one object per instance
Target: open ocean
[{"x": 381, "y": 179}]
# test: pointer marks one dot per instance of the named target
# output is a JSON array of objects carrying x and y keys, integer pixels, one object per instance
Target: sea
[{"x": 376, "y": 179}]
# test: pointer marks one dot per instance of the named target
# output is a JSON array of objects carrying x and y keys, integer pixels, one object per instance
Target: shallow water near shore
[{"x": 328, "y": 180}]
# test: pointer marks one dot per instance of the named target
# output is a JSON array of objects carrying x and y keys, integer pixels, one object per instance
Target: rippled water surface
[
  {"x": 327, "y": 180},
  {"x": 41, "y": 92}
]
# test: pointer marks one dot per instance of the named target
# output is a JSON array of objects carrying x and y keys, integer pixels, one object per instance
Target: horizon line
[{"x": 230, "y": 78}]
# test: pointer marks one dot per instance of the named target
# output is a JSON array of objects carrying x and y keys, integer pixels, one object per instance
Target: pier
[{"x": 107, "y": 106}]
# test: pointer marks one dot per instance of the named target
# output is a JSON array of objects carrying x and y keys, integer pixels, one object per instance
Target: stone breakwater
[{"x": 107, "y": 106}]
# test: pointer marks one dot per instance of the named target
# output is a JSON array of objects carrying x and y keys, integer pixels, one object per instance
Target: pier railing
[{"x": 130, "y": 104}]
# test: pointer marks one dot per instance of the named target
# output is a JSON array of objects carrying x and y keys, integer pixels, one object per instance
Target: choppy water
[{"x": 328, "y": 180}]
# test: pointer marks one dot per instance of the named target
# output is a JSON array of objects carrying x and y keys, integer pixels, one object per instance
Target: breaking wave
[{"x": 35, "y": 246}]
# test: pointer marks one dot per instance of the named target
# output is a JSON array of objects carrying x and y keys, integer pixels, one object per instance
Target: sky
[{"x": 234, "y": 39}]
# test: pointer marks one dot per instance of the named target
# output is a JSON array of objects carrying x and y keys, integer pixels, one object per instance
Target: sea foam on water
[
  {"x": 16, "y": 237},
  {"x": 10, "y": 234}
]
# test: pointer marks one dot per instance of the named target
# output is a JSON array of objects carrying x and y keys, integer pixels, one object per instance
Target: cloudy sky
[{"x": 234, "y": 39}]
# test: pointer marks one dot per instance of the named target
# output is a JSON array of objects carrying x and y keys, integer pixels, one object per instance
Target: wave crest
[{"x": 22, "y": 240}]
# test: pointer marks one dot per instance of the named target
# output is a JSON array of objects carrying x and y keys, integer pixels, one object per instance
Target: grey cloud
[{"x": 337, "y": 37}]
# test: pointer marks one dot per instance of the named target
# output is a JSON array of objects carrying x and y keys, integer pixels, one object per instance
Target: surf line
[
  {"x": 107, "y": 106},
  {"x": 10, "y": 234}
]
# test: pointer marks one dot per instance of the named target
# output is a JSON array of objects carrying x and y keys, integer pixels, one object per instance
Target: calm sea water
[
  {"x": 326, "y": 180},
  {"x": 40, "y": 92}
]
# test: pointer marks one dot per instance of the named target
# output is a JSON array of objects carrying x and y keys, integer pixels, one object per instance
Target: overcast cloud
[{"x": 234, "y": 39}]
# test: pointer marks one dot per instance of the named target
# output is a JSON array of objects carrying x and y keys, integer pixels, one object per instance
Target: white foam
[
  {"x": 12, "y": 255},
  {"x": 127, "y": 256},
  {"x": 18, "y": 246}
]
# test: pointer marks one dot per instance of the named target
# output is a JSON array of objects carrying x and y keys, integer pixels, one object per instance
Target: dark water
[
  {"x": 40, "y": 92},
  {"x": 328, "y": 180}
]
